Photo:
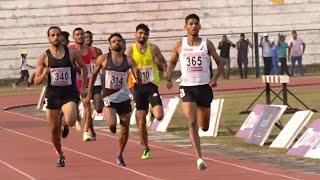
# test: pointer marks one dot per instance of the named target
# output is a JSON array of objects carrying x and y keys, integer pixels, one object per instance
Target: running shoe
[
  {"x": 64, "y": 130},
  {"x": 146, "y": 155},
  {"x": 61, "y": 161},
  {"x": 120, "y": 161},
  {"x": 86, "y": 136},
  {"x": 201, "y": 165},
  {"x": 78, "y": 126}
]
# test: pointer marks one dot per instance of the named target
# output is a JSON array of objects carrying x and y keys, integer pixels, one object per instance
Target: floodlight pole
[{"x": 252, "y": 36}]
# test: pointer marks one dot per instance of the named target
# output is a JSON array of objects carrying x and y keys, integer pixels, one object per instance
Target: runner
[
  {"x": 88, "y": 54},
  {"x": 96, "y": 93},
  {"x": 62, "y": 98},
  {"x": 195, "y": 88},
  {"x": 150, "y": 61},
  {"x": 115, "y": 90}
]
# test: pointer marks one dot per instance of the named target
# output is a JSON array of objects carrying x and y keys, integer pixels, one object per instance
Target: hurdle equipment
[
  {"x": 277, "y": 79},
  {"x": 215, "y": 114},
  {"x": 41, "y": 97},
  {"x": 292, "y": 129}
]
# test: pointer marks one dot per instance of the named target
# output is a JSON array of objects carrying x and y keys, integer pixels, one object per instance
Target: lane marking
[
  {"x": 18, "y": 170},
  {"x": 182, "y": 153},
  {"x": 75, "y": 151}
]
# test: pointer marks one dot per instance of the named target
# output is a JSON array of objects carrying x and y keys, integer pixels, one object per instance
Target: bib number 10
[{"x": 194, "y": 61}]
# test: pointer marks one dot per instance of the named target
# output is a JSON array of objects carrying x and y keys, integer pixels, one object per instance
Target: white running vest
[{"x": 194, "y": 63}]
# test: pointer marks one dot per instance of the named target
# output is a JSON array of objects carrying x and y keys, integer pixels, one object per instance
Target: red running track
[{"x": 27, "y": 153}]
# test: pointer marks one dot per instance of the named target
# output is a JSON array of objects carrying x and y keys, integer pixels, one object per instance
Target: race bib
[
  {"x": 60, "y": 76},
  {"x": 115, "y": 80},
  {"x": 194, "y": 63},
  {"x": 146, "y": 74}
]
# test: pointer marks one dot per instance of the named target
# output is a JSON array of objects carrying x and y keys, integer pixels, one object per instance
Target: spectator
[
  {"x": 266, "y": 53},
  {"x": 295, "y": 52},
  {"x": 224, "y": 46},
  {"x": 282, "y": 54},
  {"x": 23, "y": 69},
  {"x": 274, "y": 56},
  {"x": 242, "y": 57}
]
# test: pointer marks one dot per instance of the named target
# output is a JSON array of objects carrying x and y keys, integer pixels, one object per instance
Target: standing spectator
[
  {"x": 266, "y": 53},
  {"x": 224, "y": 46},
  {"x": 274, "y": 62},
  {"x": 23, "y": 69},
  {"x": 242, "y": 46},
  {"x": 282, "y": 54},
  {"x": 295, "y": 52}
]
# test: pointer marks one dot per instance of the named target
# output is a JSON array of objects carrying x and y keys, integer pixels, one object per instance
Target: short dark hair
[
  {"x": 114, "y": 34},
  {"x": 294, "y": 31},
  {"x": 242, "y": 35},
  {"x": 53, "y": 27},
  {"x": 65, "y": 34},
  {"x": 143, "y": 26},
  {"x": 224, "y": 35},
  {"x": 88, "y": 32},
  {"x": 77, "y": 29},
  {"x": 191, "y": 16}
]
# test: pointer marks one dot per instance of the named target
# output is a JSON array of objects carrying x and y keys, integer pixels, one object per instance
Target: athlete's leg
[
  {"x": 157, "y": 112},
  {"x": 110, "y": 115},
  {"x": 141, "y": 120},
  {"x": 70, "y": 111},
  {"x": 124, "y": 132},
  {"x": 87, "y": 111},
  {"x": 52, "y": 116},
  {"x": 203, "y": 116},
  {"x": 190, "y": 112}
]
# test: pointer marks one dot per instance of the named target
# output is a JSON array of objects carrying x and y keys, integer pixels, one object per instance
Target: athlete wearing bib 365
[
  {"x": 150, "y": 61},
  {"x": 115, "y": 66},
  {"x": 62, "y": 95},
  {"x": 195, "y": 88}
]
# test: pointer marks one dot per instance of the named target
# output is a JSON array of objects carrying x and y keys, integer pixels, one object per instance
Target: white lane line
[
  {"x": 17, "y": 170},
  {"x": 186, "y": 154},
  {"x": 75, "y": 151}
]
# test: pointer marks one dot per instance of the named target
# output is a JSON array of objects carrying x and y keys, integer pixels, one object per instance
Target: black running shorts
[
  {"x": 145, "y": 94},
  {"x": 121, "y": 108},
  {"x": 56, "y": 102},
  {"x": 202, "y": 94}
]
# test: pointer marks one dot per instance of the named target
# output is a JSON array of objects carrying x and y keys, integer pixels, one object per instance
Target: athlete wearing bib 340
[
  {"x": 196, "y": 82},
  {"x": 61, "y": 95},
  {"x": 115, "y": 66},
  {"x": 150, "y": 61}
]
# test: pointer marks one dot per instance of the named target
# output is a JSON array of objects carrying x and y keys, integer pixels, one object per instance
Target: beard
[
  {"x": 117, "y": 48},
  {"x": 56, "y": 43},
  {"x": 142, "y": 41}
]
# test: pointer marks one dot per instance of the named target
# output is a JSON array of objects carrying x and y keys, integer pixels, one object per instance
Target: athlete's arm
[
  {"x": 98, "y": 52},
  {"x": 135, "y": 71},
  {"x": 77, "y": 60},
  {"x": 159, "y": 58},
  {"x": 128, "y": 52},
  {"x": 172, "y": 63},
  {"x": 42, "y": 69},
  {"x": 212, "y": 52},
  {"x": 99, "y": 64}
]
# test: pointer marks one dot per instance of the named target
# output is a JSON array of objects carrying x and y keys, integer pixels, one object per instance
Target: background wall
[{"x": 23, "y": 23}]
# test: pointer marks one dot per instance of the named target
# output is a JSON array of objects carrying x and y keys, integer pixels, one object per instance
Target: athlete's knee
[{"x": 204, "y": 127}]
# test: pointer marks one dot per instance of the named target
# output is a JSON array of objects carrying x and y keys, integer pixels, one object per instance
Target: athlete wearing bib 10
[
  {"x": 195, "y": 73},
  {"x": 147, "y": 91},
  {"x": 115, "y": 91},
  {"x": 61, "y": 84}
]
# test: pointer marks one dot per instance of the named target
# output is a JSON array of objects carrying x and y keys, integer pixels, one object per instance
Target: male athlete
[
  {"x": 87, "y": 54},
  {"x": 61, "y": 95},
  {"x": 150, "y": 61},
  {"x": 115, "y": 89},
  {"x": 195, "y": 88}
]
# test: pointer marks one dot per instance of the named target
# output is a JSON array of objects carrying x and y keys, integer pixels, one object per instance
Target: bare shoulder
[{"x": 129, "y": 51}]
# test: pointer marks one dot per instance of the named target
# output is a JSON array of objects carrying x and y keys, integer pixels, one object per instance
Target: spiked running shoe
[
  {"x": 120, "y": 161},
  {"x": 61, "y": 161},
  {"x": 201, "y": 165},
  {"x": 146, "y": 155}
]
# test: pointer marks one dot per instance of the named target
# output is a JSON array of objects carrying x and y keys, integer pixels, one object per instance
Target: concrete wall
[{"x": 24, "y": 22}]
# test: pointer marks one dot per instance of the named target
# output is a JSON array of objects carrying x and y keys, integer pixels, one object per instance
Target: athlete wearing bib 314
[
  {"x": 61, "y": 87},
  {"x": 147, "y": 92},
  {"x": 195, "y": 73}
]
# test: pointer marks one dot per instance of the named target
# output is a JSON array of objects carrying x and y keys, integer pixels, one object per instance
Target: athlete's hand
[{"x": 213, "y": 83}]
